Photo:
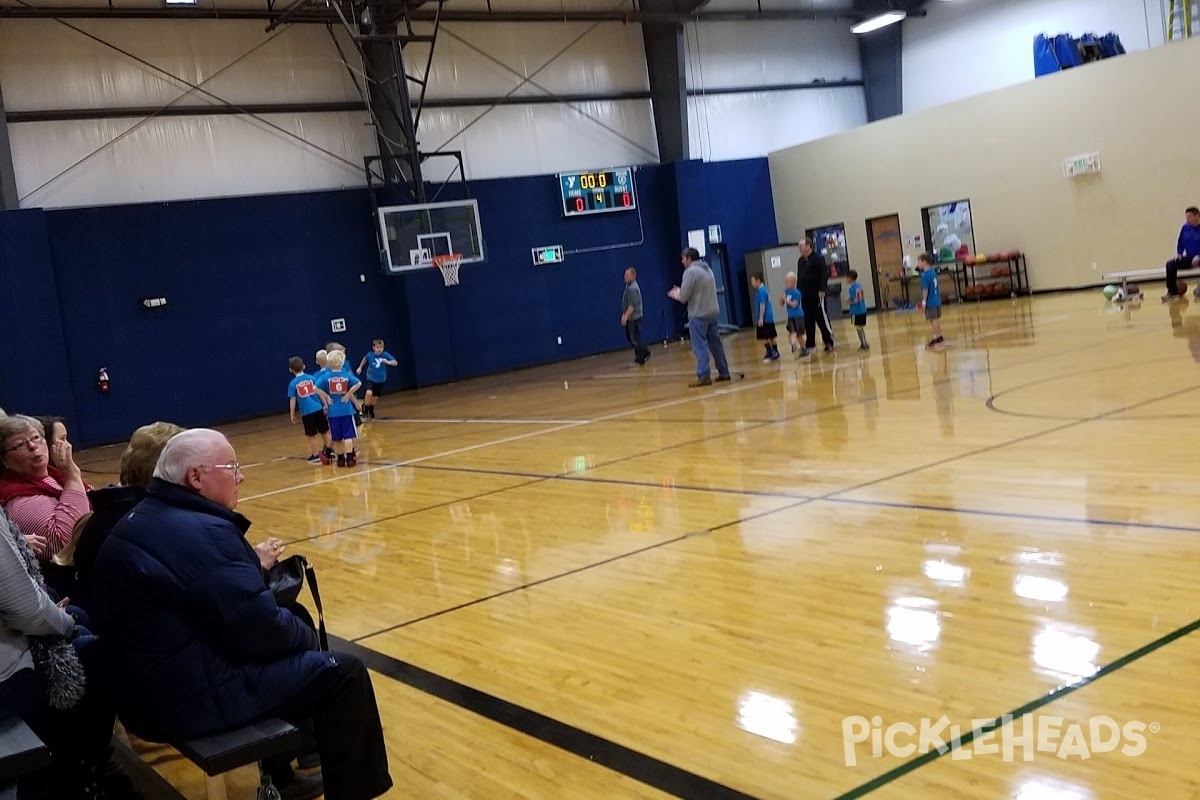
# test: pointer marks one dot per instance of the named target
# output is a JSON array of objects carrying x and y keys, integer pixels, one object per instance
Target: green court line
[{"x": 1033, "y": 705}]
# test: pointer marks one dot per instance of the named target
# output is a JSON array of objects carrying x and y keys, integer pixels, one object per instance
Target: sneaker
[
  {"x": 303, "y": 787},
  {"x": 352, "y": 459},
  {"x": 341, "y": 462},
  {"x": 314, "y": 458},
  {"x": 803, "y": 352},
  {"x": 829, "y": 347},
  {"x": 774, "y": 356},
  {"x": 325, "y": 458},
  {"x": 865, "y": 347},
  {"x": 701, "y": 382},
  {"x": 1170, "y": 298},
  {"x": 795, "y": 348},
  {"x": 723, "y": 378}
]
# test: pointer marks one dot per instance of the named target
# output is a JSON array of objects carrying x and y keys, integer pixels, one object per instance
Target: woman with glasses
[{"x": 41, "y": 487}]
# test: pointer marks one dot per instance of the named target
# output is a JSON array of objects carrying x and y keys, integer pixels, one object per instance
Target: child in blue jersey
[
  {"x": 340, "y": 385},
  {"x": 377, "y": 361},
  {"x": 764, "y": 316},
  {"x": 931, "y": 298},
  {"x": 858, "y": 309},
  {"x": 790, "y": 299},
  {"x": 303, "y": 395}
]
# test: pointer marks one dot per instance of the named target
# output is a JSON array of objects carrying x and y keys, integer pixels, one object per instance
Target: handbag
[{"x": 287, "y": 578}]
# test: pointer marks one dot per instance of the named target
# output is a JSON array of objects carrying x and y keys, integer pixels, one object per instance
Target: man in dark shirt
[
  {"x": 631, "y": 317},
  {"x": 1188, "y": 253},
  {"x": 814, "y": 279}
]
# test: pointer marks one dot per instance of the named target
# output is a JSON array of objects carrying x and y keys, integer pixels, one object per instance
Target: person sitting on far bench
[{"x": 1189, "y": 254}]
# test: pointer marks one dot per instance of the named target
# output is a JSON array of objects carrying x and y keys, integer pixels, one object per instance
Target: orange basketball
[{"x": 1181, "y": 287}]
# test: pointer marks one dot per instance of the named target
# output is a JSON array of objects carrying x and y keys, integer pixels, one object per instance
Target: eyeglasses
[
  {"x": 235, "y": 468},
  {"x": 36, "y": 439}
]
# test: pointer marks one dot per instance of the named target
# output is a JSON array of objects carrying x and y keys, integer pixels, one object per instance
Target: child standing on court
[
  {"x": 795, "y": 315},
  {"x": 931, "y": 298},
  {"x": 304, "y": 394},
  {"x": 858, "y": 310},
  {"x": 377, "y": 361},
  {"x": 765, "y": 315},
  {"x": 340, "y": 385}
]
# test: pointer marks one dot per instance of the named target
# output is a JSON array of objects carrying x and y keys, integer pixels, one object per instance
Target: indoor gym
[{"x": 574, "y": 579}]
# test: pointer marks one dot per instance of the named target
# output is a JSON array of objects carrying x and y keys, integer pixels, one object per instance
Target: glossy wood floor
[{"x": 587, "y": 581}]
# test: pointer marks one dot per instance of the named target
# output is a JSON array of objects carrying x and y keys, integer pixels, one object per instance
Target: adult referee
[{"x": 814, "y": 279}]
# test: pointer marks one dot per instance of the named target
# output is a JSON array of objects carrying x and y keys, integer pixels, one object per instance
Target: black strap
[{"x": 311, "y": 575}]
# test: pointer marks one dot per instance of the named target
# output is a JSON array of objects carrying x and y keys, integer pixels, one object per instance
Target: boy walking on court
[
  {"x": 304, "y": 394},
  {"x": 858, "y": 310},
  {"x": 765, "y": 314},
  {"x": 631, "y": 317},
  {"x": 377, "y": 361},
  {"x": 340, "y": 385},
  {"x": 931, "y": 298},
  {"x": 791, "y": 300}
]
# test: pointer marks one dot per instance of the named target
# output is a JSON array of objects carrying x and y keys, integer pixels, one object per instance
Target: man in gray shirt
[
  {"x": 631, "y": 317},
  {"x": 699, "y": 292}
]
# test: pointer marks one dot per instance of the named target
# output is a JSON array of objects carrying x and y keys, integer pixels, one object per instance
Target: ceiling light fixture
[{"x": 882, "y": 21}]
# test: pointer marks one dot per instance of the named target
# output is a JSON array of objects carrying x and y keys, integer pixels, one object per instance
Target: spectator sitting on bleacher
[
  {"x": 43, "y": 680},
  {"x": 197, "y": 644},
  {"x": 111, "y": 503},
  {"x": 41, "y": 487}
]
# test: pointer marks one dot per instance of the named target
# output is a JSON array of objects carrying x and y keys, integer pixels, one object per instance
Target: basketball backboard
[{"x": 414, "y": 234}]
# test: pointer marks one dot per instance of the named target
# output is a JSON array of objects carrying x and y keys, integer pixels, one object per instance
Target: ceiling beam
[{"x": 317, "y": 13}]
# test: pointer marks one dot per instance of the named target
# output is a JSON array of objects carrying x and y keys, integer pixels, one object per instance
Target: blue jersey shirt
[
  {"x": 337, "y": 383},
  {"x": 929, "y": 284},
  {"x": 303, "y": 389},
  {"x": 762, "y": 298},
  {"x": 857, "y": 306},
  {"x": 794, "y": 296},
  {"x": 376, "y": 368},
  {"x": 1189, "y": 241}
]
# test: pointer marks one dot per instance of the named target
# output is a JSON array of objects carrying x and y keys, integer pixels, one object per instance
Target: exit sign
[{"x": 549, "y": 254}]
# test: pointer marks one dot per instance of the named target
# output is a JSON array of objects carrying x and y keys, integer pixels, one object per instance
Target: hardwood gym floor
[{"x": 585, "y": 581}]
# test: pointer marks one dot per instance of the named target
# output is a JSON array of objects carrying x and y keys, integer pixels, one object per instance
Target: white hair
[
  {"x": 335, "y": 359},
  {"x": 191, "y": 448},
  {"x": 321, "y": 354},
  {"x": 791, "y": 276}
]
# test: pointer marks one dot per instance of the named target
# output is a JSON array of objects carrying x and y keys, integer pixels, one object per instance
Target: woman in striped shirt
[{"x": 41, "y": 487}]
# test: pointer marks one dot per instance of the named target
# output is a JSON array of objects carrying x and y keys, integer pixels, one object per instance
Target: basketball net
[{"x": 449, "y": 265}]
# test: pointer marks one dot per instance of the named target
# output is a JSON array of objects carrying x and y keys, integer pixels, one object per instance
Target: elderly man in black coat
[{"x": 196, "y": 643}]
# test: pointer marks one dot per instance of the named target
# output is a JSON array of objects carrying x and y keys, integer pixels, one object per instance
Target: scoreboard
[{"x": 597, "y": 192}]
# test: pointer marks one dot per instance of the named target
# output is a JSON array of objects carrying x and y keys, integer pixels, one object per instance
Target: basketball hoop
[{"x": 449, "y": 265}]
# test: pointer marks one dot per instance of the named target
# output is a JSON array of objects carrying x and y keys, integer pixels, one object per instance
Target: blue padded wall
[{"x": 251, "y": 281}]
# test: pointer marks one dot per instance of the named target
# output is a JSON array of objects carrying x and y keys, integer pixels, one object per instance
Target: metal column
[
  {"x": 666, "y": 65},
  {"x": 8, "y": 173}
]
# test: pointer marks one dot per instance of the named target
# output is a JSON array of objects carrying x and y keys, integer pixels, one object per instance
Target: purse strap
[{"x": 311, "y": 575}]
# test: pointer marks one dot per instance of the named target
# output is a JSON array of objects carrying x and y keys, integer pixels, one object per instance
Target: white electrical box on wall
[{"x": 1086, "y": 164}]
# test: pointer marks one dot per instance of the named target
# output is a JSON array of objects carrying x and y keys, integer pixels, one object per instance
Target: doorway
[
  {"x": 887, "y": 260},
  {"x": 718, "y": 260}
]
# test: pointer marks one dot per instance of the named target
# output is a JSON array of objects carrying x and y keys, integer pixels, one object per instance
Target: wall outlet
[
  {"x": 560, "y": 340},
  {"x": 338, "y": 325}
]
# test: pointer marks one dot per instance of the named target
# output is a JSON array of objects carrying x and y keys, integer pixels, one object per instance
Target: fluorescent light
[
  {"x": 882, "y": 21},
  {"x": 182, "y": 2}
]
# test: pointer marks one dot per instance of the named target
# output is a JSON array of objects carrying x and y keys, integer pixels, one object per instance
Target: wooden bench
[
  {"x": 21, "y": 752},
  {"x": 1148, "y": 274},
  {"x": 225, "y": 752}
]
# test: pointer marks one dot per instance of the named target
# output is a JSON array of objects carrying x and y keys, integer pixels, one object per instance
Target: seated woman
[
  {"x": 41, "y": 487},
  {"x": 113, "y": 502},
  {"x": 55, "y": 429},
  {"x": 44, "y": 681}
]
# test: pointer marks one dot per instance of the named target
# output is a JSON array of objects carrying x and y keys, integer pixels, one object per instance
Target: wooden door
[{"x": 887, "y": 259}]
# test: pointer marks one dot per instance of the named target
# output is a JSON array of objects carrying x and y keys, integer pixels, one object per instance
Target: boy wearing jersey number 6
[{"x": 340, "y": 384}]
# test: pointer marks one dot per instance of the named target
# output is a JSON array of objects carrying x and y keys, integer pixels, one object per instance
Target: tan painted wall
[{"x": 1004, "y": 151}]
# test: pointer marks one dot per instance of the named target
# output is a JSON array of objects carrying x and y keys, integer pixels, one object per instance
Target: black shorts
[
  {"x": 860, "y": 320},
  {"x": 796, "y": 325},
  {"x": 315, "y": 423},
  {"x": 373, "y": 387},
  {"x": 765, "y": 332}
]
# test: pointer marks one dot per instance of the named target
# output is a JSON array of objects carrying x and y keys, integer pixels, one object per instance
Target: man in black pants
[
  {"x": 631, "y": 317},
  {"x": 814, "y": 278},
  {"x": 1188, "y": 249}
]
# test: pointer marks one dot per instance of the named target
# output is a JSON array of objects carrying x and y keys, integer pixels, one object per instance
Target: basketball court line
[
  {"x": 479, "y": 421},
  {"x": 732, "y": 389},
  {"x": 1033, "y": 705},
  {"x": 623, "y": 760}
]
